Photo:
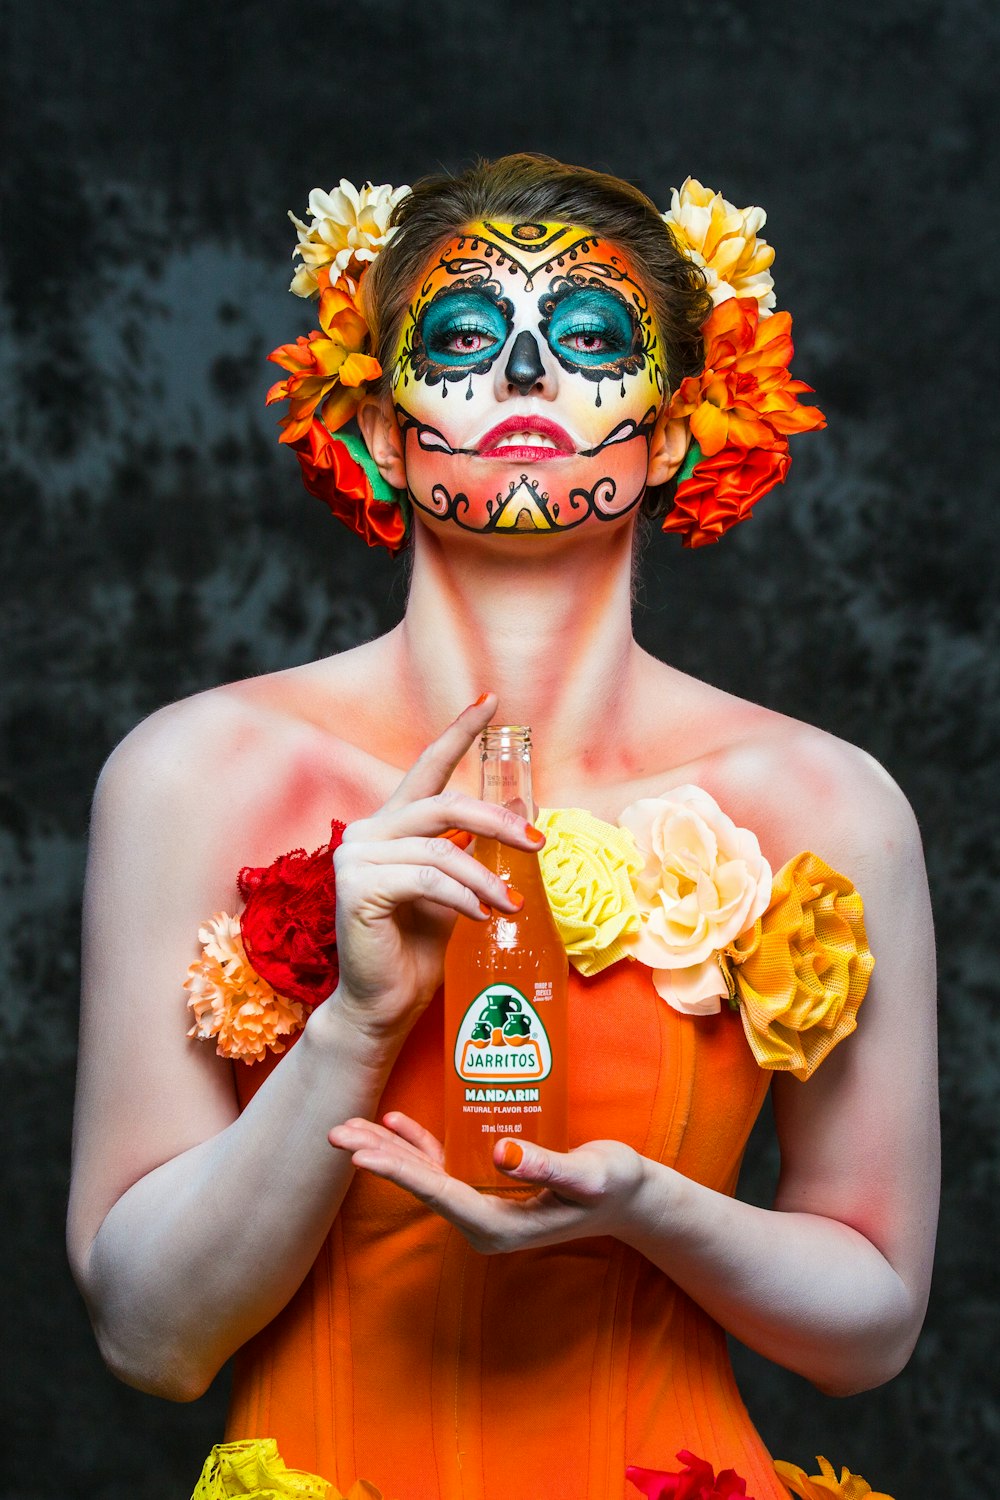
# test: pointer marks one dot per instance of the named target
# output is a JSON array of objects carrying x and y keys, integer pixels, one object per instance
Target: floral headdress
[{"x": 742, "y": 408}]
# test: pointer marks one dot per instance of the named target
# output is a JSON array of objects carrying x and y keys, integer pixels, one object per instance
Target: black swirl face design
[{"x": 530, "y": 364}]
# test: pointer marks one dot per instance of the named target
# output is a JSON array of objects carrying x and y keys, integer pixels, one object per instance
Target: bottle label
[{"x": 502, "y": 1039}]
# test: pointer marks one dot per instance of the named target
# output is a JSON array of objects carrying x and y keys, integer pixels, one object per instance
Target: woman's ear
[
  {"x": 667, "y": 447},
  {"x": 380, "y": 430}
]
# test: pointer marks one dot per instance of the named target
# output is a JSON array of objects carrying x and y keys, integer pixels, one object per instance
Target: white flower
[
  {"x": 347, "y": 229},
  {"x": 723, "y": 240},
  {"x": 703, "y": 882}
]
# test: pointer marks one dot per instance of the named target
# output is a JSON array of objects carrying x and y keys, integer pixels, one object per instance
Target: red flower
[
  {"x": 696, "y": 1481},
  {"x": 722, "y": 491},
  {"x": 333, "y": 476},
  {"x": 289, "y": 924}
]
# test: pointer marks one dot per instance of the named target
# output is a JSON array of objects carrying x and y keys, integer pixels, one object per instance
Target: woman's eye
[
  {"x": 585, "y": 341},
  {"x": 463, "y": 327},
  {"x": 589, "y": 326},
  {"x": 468, "y": 341}
]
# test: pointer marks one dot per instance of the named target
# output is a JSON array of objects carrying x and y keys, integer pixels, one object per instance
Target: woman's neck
[{"x": 543, "y": 622}]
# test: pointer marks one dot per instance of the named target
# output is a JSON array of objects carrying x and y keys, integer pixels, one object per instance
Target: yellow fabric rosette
[
  {"x": 825, "y": 1485},
  {"x": 801, "y": 971},
  {"x": 588, "y": 868},
  {"x": 255, "y": 1470}
]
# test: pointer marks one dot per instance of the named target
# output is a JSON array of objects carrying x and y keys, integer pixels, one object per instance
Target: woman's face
[{"x": 527, "y": 381}]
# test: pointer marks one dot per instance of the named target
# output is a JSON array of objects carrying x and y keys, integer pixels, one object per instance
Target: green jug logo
[{"x": 502, "y": 1039}]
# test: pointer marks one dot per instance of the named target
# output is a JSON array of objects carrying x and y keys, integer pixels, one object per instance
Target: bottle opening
[{"x": 509, "y": 739}]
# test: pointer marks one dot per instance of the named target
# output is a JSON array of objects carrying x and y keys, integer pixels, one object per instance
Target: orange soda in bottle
[{"x": 505, "y": 996}]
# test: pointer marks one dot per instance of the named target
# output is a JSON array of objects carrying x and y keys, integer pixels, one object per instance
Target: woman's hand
[
  {"x": 400, "y": 884},
  {"x": 588, "y": 1191}
]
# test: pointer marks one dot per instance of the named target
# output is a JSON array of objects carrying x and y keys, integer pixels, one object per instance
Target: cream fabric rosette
[
  {"x": 588, "y": 868},
  {"x": 703, "y": 881}
]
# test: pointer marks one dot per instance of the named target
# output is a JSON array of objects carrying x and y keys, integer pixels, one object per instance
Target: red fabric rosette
[
  {"x": 333, "y": 476},
  {"x": 722, "y": 490},
  {"x": 289, "y": 923},
  {"x": 696, "y": 1481}
]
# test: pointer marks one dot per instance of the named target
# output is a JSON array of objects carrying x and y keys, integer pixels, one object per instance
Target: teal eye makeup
[
  {"x": 463, "y": 330},
  {"x": 590, "y": 329}
]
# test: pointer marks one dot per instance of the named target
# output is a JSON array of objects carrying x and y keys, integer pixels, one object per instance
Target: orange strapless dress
[{"x": 408, "y": 1359}]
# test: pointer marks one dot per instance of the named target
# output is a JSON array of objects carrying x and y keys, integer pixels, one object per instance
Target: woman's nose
[{"x": 524, "y": 367}]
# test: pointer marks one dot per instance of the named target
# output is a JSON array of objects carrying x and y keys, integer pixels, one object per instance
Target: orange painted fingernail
[
  {"x": 511, "y": 1156},
  {"x": 515, "y": 898},
  {"x": 480, "y": 700},
  {"x": 534, "y": 833},
  {"x": 460, "y": 837}
]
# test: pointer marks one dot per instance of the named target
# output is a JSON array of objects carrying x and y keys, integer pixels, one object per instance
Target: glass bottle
[{"x": 505, "y": 989}]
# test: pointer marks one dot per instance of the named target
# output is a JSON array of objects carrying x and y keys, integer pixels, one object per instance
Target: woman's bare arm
[
  {"x": 191, "y": 1225},
  {"x": 832, "y": 1281}
]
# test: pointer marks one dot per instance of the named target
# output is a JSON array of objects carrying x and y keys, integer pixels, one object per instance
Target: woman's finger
[
  {"x": 443, "y": 855},
  {"x": 439, "y": 815},
  {"x": 410, "y": 1130},
  {"x": 586, "y": 1175},
  {"x": 359, "y": 895},
  {"x": 432, "y": 770}
]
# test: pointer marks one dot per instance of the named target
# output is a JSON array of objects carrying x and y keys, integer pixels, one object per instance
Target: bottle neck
[{"x": 505, "y": 771}]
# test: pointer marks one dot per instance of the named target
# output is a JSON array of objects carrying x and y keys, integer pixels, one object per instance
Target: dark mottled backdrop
[{"x": 156, "y": 541}]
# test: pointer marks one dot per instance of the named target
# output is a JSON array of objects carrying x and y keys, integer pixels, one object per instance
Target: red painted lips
[{"x": 526, "y": 452}]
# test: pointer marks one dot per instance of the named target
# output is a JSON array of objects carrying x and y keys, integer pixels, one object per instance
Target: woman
[{"x": 540, "y": 334}]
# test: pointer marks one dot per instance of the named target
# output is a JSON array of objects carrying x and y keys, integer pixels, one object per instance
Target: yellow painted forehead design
[{"x": 547, "y": 260}]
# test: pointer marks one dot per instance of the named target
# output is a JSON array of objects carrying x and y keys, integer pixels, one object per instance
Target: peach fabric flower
[
  {"x": 231, "y": 1002},
  {"x": 802, "y": 970},
  {"x": 745, "y": 396},
  {"x": 703, "y": 881},
  {"x": 588, "y": 867},
  {"x": 347, "y": 228},
  {"x": 723, "y": 240},
  {"x": 825, "y": 1485},
  {"x": 328, "y": 370}
]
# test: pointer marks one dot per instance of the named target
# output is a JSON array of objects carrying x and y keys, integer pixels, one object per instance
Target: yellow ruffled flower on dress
[
  {"x": 825, "y": 1485},
  {"x": 801, "y": 971},
  {"x": 255, "y": 1470},
  {"x": 231, "y": 1002},
  {"x": 589, "y": 868}
]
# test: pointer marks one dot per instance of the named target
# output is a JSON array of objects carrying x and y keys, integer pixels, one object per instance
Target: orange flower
[
  {"x": 745, "y": 396},
  {"x": 802, "y": 969},
  {"x": 231, "y": 1002},
  {"x": 327, "y": 370},
  {"x": 722, "y": 490},
  {"x": 825, "y": 1485}
]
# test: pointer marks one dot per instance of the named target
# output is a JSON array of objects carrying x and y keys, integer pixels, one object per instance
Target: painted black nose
[{"x": 524, "y": 368}]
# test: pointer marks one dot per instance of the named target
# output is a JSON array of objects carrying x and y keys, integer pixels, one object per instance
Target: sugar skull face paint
[{"x": 527, "y": 381}]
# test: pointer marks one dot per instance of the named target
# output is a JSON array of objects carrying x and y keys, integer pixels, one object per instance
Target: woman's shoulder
[
  {"x": 279, "y": 754},
  {"x": 796, "y": 785},
  {"x": 802, "y": 787}
]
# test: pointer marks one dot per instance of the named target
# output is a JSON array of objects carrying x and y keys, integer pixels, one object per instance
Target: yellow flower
[
  {"x": 825, "y": 1485},
  {"x": 348, "y": 228},
  {"x": 256, "y": 1469},
  {"x": 723, "y": 240},
  {"x": 588, "y": 868},
  {"x": 231, "y": 1002},
  {"x": 802, "y": 970}
]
